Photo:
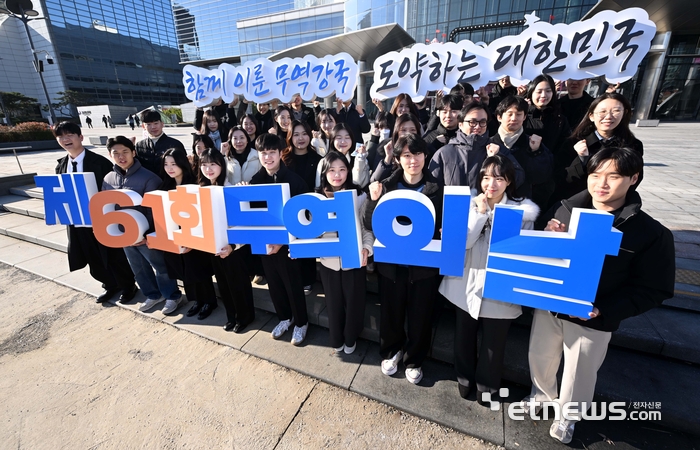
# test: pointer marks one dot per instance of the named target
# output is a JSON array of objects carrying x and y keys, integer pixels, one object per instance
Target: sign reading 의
[
  {"x": 263, "y": 80},
  {"x": 610, "y": 44},
  {"x": 549, "y": 270}
]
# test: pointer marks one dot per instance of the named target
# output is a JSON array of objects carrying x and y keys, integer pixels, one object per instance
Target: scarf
[
  {"x": 216, "y": 137},
  {"x": 509, "y": 138}
]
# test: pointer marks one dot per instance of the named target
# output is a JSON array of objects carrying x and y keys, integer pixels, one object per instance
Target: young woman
[
  {"x": 381, "y": 132},
  {"x": 544, "y": 119},
  {"x": 405, "y": 125},
  {"x": 344, "y": 288},
  {"x": 193, "y": 267},
  {"x": 214, "y": 127},
  {"x": 241, "y": 160},
  {"x": 301, "y": 158},
  {"x": 200, "y": 142},
  {"x": 251, "y": 126},
  {"x": 606, "y": 124},
  {"x": 495, "y": 185},
  {"x": 229, "y": 266},
  {"x": 403, "y": 104},
  {"x": 407, "y": 293},
  {"x": 282, "y": 121},
  {"x": 326, "y": 120},
  {"x": 342, "y": 140}
]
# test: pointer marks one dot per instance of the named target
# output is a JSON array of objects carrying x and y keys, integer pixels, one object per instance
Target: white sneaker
[
  {"x": 150, "y": 303},
  {"x": 528, "y": 405},
  {"x": 259, "y": 280},
  {"x": 281, "y": 328},
  {"x": 171, "y": 305},
  {"x": 349, "y": 350},
  {"x": 338, "y": 350},
  {"x": 414, "y": 374},
  {"x": 562, "y": 430},
  {"x": 389, "y": 366},
  {"x": 299, "y": 334}
]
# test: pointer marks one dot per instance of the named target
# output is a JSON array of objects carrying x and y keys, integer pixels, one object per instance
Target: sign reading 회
[
  {"x": 262, "y": 80},
  {"x": 547, "y": 270},
  {"x": 610, "y": 44}
]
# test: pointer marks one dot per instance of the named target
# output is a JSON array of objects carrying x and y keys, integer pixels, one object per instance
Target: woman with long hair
[
  {"x": 282, "y": 119},
  {"x": 213, "y": 126},
  {"x": 326, "y": 120},
  {"x": 544, "y": 119},
  {"x": 495, "y": 185},
  {"x": 344, "y": 289},
  {"x": 606, "y": 124},
  {"x": 405, "y": 125},
  {"x": 229, "y": 265},
  {"x": 251, "y": 126},
  {"x": 192, "y": 266},
  {"x": 241, "y": 159},
  {"x": 342, "y": 140},
  {"x": 200, "y": 142}
]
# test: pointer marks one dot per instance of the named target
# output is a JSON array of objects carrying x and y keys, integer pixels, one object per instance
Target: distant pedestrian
[
  {"x": 138, "y": 121},
  {"x": 104, "y": 120},
  {"x": 109, "y": 121},
  {"x": 88, "y": 121},
  {"x": 131, "y": 121}
]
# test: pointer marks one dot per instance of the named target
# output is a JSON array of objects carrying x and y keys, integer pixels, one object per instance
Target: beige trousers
[{"x": 584, "y": 352}]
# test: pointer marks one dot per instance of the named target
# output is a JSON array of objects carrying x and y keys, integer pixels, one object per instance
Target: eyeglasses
[
  {"x": 474, "y": 123},
  {"x": 613, "y": 112}
]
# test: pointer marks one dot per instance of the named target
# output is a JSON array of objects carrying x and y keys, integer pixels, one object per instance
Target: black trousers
[
  {"x": 486, "y": 370},
  {"x": 234, "y": 286},
  {"x": 285, "y": 285},
  {"x": 406, "y": 302},
  {"x": 107, "y": 265},
  {"x": 345, "y": 302},
  {"x": 308, "y": 271}
]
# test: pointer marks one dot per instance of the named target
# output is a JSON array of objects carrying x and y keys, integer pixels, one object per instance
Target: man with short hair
[
  {"x": 151, "y": 149},
  {"x": 354, "y": 117},
  {"x": 148, "y": 264},
  {"x": 107, "y": 265},
  {"x": 639, "y": 278},
  {"x": 448, "y": 109},
  {"x": 574, "y": 105},
  {"x": 534, "y": 157},
  {"x": 282, "y": 272},
  {"x": 302, "y": 112}
]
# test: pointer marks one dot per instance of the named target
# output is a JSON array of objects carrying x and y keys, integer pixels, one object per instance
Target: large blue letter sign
[
  {"x": 67, "y": 197},
  {"x": 414, "y": 243},
  {"x": 553, "y": 271},
  {"x": 258, "y": 226},
  {"x": 336, "y": 216}
]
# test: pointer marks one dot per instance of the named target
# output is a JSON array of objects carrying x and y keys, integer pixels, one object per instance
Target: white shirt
[{"x": 79, "y": 159}]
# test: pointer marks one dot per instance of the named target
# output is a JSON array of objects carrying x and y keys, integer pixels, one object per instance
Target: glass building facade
[{"x": 118, "y": 52}]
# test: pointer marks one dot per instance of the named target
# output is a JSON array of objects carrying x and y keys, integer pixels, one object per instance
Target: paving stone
[
  {"x": 21, "y": 251},
  {"x": 638, "y": 333},
  {"x": 51, "y": 265},
  {"x": 313, "y": 357},
  {"x": 8, "y": 221},
  {"x": 6, "y": 241},
  {"x": 680, "y": 332},
  {"x": 58, "y": 240},
  {"x": 27, "y": 207},
  {"x": 435, "y": 398},
  {"x": 80, "y": 280},
  {"x": 31, "y": 231}
]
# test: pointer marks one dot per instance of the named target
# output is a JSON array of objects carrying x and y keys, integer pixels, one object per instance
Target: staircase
[{"x": 652, "y": 357}]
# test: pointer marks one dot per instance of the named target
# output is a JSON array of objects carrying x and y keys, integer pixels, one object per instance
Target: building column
[
  {"x": 361, "y": 97},
  {"x": 646, "y": 101}
]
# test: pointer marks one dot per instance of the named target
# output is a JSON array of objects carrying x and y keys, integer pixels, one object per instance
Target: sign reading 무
[
  {"x": 610, "y": 44},
  {"x": 263, "y": 80}
]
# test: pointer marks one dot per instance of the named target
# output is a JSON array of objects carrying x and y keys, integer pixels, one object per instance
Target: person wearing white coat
[
  {"x": 343, "y": 141},
  {"x": 495, "y": 185},
  {"x": 242, "y": 161}
]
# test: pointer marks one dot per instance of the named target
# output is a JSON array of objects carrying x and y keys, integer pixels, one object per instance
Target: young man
[
  {"x": 302, "y": 112},
  {"x": 533, "y": 156},
  {"x": 151, "y": 149},
  {"x": 459, "y": 162},
  {"x": 129, "y": 174},
  {"x": 639, "y": 278},
  {"x": 107, "y": 265},
  {"x": 574, "y": 105},
  {"x": 88, "y": 121},
  {"x": 283, "y": 273},
  {"x": 448, "y": 109},
  {"x": 354, "y": 117}
]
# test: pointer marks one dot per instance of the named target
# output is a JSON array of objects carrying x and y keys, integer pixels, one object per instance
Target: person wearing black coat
[
  {"x": 283, "y": 273},
  {"x": 408, "y": 293},
  {"x": 107, "y": 265},
  {"x": 640, "y": 277},
  {"x": 303, "y": 113},
  {"x": 354, "y": 117},
  {"x": 222, "y": 116},
  {"x": 150, "y": 150},
  {"x": 575, "y": 103},
  {"x": 448, "y": 109}
]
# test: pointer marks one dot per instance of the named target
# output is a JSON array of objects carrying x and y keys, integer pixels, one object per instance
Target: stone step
[
  {"x": 626, "y": 375},
  {"x": 26, "y": 206},
  {"x": 29, "y": 190}
]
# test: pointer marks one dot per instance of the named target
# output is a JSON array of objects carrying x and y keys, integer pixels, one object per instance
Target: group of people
[{"x": 519, "y": 146}]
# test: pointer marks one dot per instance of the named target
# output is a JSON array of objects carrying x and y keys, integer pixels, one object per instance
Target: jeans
[{"x": 143, "y": 262}]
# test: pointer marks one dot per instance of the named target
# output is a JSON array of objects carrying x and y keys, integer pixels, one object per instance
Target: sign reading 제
[{"x": 547, "y": 270}]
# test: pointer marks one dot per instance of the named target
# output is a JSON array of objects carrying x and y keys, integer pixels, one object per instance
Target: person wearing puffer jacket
[
  {"x": 495, "y": 185},
  {"x": 242, "y": 161}
]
